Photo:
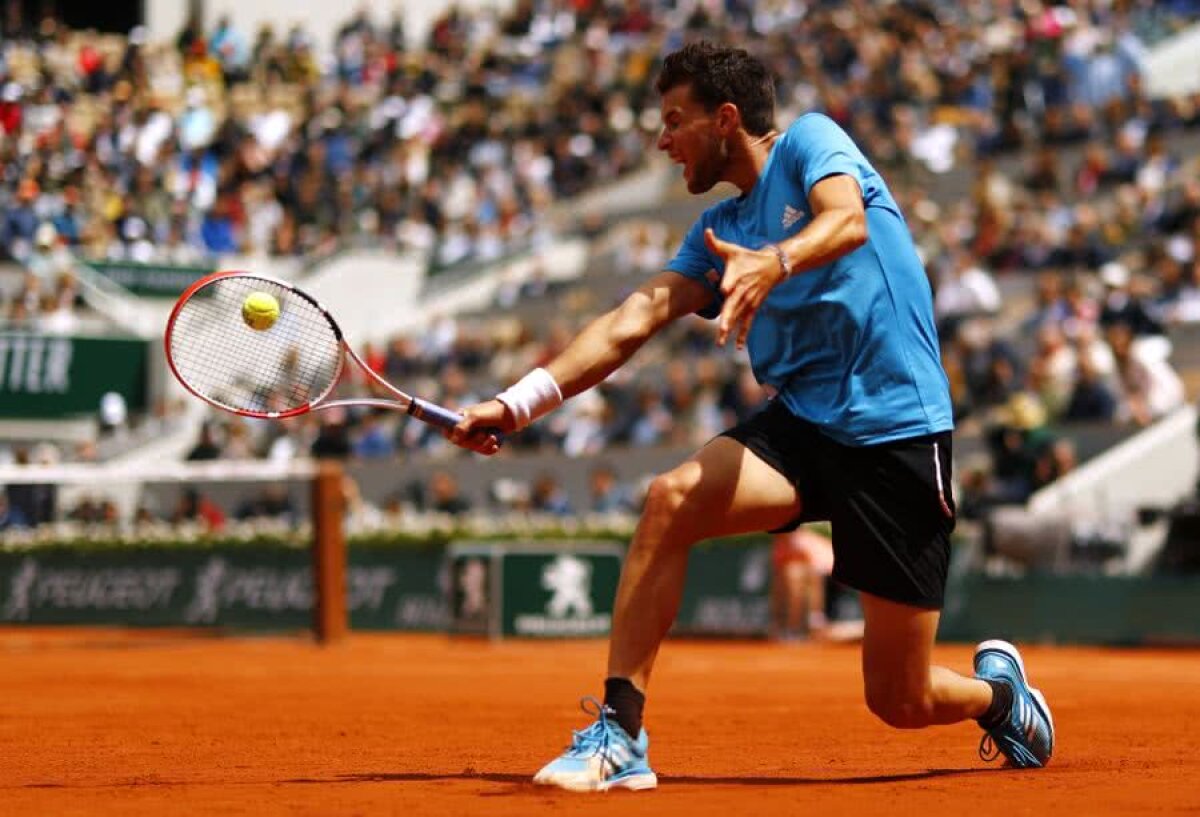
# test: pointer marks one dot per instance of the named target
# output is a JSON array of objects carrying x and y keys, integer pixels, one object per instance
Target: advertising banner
[{"x": 55, "y": 376}]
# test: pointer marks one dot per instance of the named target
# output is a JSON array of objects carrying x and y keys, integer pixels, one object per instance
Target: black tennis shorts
[{"x": 890, "y": 505}]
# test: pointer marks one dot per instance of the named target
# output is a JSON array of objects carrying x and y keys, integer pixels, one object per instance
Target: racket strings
[{"x": 275, "y": 370}]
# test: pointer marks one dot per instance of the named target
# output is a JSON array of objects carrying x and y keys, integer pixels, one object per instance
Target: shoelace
[{"x": 595, "y": 739}]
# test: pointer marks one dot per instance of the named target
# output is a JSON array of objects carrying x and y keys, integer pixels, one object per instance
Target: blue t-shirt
[{"x": 850, "y": 346}]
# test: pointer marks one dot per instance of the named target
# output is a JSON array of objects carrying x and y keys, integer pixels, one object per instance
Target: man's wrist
[
  {"x": 529, "y": 398},
  {"x": 785, "y": 266}
]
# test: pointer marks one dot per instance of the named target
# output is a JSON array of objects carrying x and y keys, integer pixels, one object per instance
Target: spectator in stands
[
  {"x": 1054, "y": 460},
  {"x": 113, "y": 415},
  {"x": 607, "y": 494},
  {"x": 11, "y": 111},
  {"x": 445, "y": 495},
  {"x": 1149, "y": 387},
  {"x": 1082, "y": 249},
  {"x": 290, "y": 438},
  {"x": 583, "y": 429},
  {"x": 333, "y": 435},
  {"x": 33, "y": 502},
  {"x": 742, "y": 396},
  {"x": 989, "y": 363},
  {"x": 1016, "y": 439},
  {"x": 653, "y": 422},
  {"x": 21, "y": 221},
  {"x": 375, "y": 437},
  {"x": 801, "y": 563},
  {"x": 207, "y": 447},
  {"x": 1173, "y": 303},
  {"x": 644, "y": 251},
  {"x": 239, "y": 441},
  {"x": 1044, "y": 173},
  {"x": 548, "y": 496},
  {"x": 1092, "y": 399},
  {"x": 195, "y": 507},
  {"x": 1122, "y": 305},
  {"x": 144, "y": 518},
  {"x": 1083, "y": 311},
  {"x": 964, "y": 289},
  {"x": 1052, "y": 369},
  {"x": 49, "y": 259},
  {"x": 271, "y": 502},
  {"x": 1050, "y": 307},
  {"x": 86, "y": 510},
  {"x": 361, "y": 514},
  {"x": 231, "y": 50},
  {"x": 11, "y": 517},
  {"x": 217, "y": 230}
]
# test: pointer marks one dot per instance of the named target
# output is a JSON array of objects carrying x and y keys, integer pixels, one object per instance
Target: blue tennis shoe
[
  {"x": 601, "y": 757},
  {"x": 1026, "y": 737}
]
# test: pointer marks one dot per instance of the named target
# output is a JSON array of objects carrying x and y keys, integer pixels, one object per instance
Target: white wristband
[{"x": 530, "y": 397}]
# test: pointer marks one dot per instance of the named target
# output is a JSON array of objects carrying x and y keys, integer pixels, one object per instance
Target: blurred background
[{"x": 465, "y": 185}]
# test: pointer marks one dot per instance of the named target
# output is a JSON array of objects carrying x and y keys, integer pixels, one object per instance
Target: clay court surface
[{"x": 107, "y": 722}]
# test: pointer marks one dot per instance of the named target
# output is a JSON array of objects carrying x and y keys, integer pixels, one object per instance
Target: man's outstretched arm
[{"x": 595, "y": 353}]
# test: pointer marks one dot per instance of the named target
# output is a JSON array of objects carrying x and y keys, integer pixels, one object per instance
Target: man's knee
[
  {"x": 899, "y": 708},
  {"x": 667, "y": 496}
]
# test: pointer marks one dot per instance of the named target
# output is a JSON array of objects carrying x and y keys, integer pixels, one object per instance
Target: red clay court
[{"x": 100, "y": 722}]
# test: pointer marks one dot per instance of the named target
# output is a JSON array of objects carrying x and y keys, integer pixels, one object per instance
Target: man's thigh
[{"x": 729, "y": 490}]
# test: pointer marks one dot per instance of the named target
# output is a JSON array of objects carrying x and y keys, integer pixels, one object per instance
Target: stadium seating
[{"x": 967, "y": 159}]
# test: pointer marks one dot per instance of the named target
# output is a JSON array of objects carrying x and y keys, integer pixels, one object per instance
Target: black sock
[
  {"x": 1000, "y": 707},
  {"x": 627, "y": 701}
]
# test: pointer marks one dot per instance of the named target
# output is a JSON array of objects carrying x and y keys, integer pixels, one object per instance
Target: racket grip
[
  {"x": 433, "y": 414},
  {"x": 443, "y": 417}
]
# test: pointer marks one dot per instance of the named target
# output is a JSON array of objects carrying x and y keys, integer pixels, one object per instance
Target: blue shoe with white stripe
[
  {"x": 1026, "y": 737},
  {"x": 601, "y": 757}
]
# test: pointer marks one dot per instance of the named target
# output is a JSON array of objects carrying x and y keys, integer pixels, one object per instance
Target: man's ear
[{"x": 729, "y": 118}]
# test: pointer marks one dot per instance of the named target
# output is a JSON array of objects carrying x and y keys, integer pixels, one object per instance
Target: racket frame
[{"x": 423, "y": 410}]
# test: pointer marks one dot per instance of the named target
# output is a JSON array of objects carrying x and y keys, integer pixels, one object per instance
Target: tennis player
[{"x": 813, "y": 269}]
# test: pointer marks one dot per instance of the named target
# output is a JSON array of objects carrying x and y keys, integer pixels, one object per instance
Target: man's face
[{"x": 690, "y": 137}]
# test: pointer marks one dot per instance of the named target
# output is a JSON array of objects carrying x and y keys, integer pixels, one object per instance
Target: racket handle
[
  {"x": 433, "y": 414},
  {"x": 443, "y": 417}
]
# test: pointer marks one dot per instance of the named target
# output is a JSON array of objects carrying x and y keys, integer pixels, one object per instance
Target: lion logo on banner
[{"x": 569, "y": 578}]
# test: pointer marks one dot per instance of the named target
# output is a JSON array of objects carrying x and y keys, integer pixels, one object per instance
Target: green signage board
[
  {"x": 560, "y": 593},
  {"x": 727, "y": 590},
  {"x": 392, "y": 589},
  {"x": 55, "y": 376},
  {"x": 1073, "y": 609},
  {"x": 516, "y": 589},
  {"x": 539, "y": 590},
  {"x": 151, "y": 280},
  {"x": 246, "y": 587}
]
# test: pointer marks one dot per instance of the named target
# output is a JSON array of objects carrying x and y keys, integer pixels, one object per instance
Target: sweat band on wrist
[
  {"x": 532, "y": 396},
  {"x": 783, "y": 261}
]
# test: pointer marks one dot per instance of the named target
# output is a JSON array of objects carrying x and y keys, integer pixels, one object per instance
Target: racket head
[{"x": 271, "y": 373}]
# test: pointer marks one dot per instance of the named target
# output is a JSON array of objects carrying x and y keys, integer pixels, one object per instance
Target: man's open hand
[{"x": 749, "y": 277}]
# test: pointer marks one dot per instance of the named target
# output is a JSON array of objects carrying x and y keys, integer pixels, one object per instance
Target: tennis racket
[{"x": 288, "y": 369}]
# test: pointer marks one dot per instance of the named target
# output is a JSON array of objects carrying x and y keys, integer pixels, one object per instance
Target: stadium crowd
[
  {"x": 1078, "y": 191},
  {"x": 223, "y": 142},
  {"x": 218, "y": 143}
]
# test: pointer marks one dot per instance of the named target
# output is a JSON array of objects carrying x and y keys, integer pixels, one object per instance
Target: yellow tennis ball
[{"x": 260, "y": 310}]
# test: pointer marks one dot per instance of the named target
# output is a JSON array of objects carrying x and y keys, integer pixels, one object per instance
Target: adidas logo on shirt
[{"x": 790, "y": 216}]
